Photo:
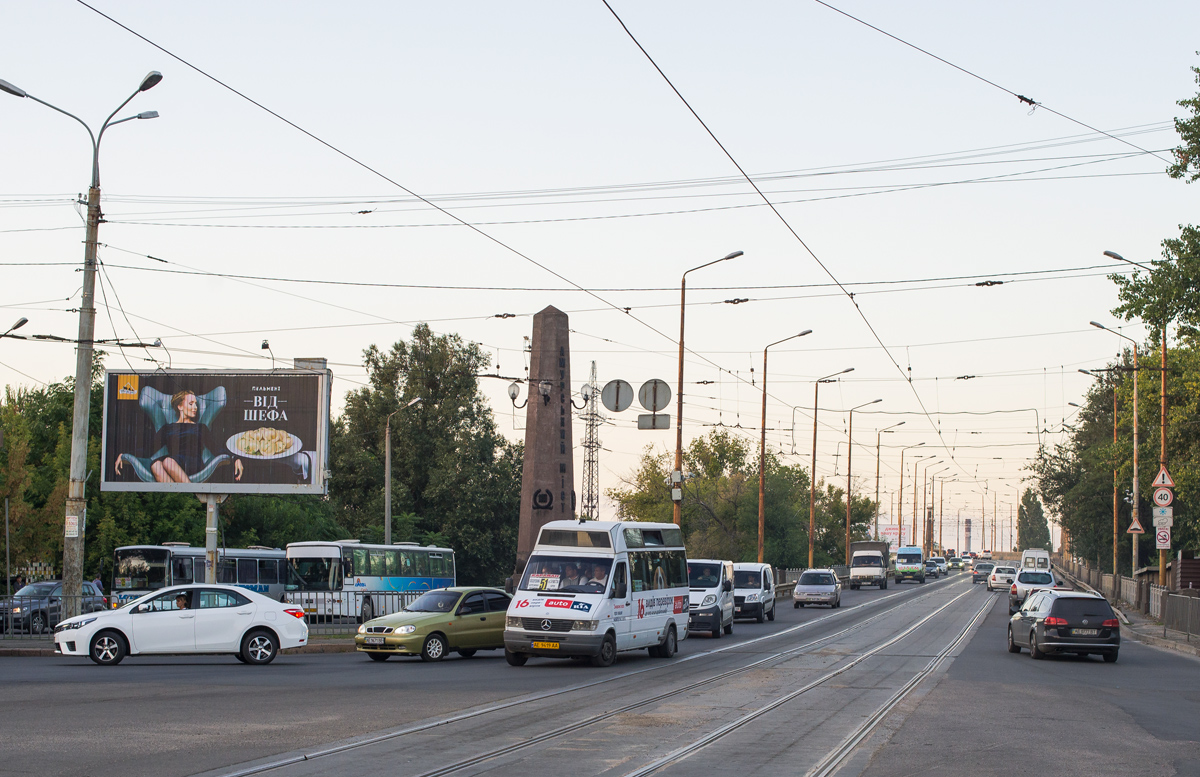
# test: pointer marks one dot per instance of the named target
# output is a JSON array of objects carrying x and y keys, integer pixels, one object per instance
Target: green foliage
[
  {"x": 1032, "y": 529},
  {"x": 720, "y": 504},
  {"x": 1187, "y": 154},
  {"x": 1170, "y": 292}
]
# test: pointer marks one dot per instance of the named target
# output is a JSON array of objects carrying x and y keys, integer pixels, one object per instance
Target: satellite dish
[
  {"x": 617, "y": 395},
  {"x": 654, "y": 395}
]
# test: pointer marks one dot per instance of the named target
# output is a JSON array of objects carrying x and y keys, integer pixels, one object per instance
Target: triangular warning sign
[
  {"x": 1135, "y": 527},
  {"x": 1163, "y": 479}
]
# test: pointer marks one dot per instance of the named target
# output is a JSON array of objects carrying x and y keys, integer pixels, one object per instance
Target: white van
[
  {"x": 711, "y": 591},
  {"x": 754, "y": 591},
  {"x": 594, "y": 588},
  {"x": 1035, "y": 558}
]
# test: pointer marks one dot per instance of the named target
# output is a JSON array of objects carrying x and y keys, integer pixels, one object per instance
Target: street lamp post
[
  {"x": 762, "y": 448},
  {"x": 1116, "y": 528},
  {"x": 887, "y": 430},
  {"x": 677, "y": 475},
  {"x": 849, "y": 458},
  {"x": 75, "y": 522},
  {"x": 812, "y": 472},
  {"x": 928, "y": 517},
  {"x": 900, "y": 497},
  {"x": 916, "y": 467},
  {"x": 387, "y": 472},
  {"x": 1098, "y": 325}
]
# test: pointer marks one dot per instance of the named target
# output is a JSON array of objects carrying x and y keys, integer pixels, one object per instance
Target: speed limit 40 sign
[{"x": 1163, "y": 497}]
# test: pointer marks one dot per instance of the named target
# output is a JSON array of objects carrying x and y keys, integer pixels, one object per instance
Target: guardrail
[
  {"x": 330, "y": 613},
  {"x": 34, "y": 617}
]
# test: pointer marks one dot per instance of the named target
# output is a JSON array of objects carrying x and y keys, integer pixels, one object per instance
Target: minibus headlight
[
  {"x": 710, "y": 599},
  {"x": 512, "y": 623},
  {"x": 752, "y": 597},
  {"x": 584, "y": 626},
  {"x": 409, "y": 629}
]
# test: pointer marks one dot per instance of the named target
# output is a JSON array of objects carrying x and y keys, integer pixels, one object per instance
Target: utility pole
[{"x": 591, "y": 450}]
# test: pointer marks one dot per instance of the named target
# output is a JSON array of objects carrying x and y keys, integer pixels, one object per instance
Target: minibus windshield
[
  {"x": 747, "y": 578},
  {"x": 567, "y": 574}
]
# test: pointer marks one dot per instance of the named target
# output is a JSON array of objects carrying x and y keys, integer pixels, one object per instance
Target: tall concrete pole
[{"x": 762, "y": 449}]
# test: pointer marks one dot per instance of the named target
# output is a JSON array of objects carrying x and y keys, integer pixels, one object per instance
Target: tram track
[{"x": 575, "y": 726}]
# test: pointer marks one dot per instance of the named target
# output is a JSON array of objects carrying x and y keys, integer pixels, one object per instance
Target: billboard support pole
[{"x": 211, "y": 502}]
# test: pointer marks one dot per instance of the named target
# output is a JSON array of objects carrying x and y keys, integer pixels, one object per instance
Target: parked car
[
  {"x": 943, "y": 567},
  {"x": 980, "y": 571},
  {"x": 1028, "y": 581},
  {"x": 37, "y": 607},
  {"x": 463, "y": 619},
  {"x": 1001, "y": 578},
  {"x": 1065, "y": 622},
  {"x": 931, "y": 569},
  {"x": 954, "y": 563},
  {"x": 817, "y": 586},
  {"x": 753, "y": 591},
  {"x": 186, "y": 619}
]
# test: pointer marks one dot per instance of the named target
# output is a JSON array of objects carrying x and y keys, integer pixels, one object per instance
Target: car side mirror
[
  {"x": 466, "y": 609},
  {"x": 508, "y": 585},
  {"x": 726, "y": 586}
]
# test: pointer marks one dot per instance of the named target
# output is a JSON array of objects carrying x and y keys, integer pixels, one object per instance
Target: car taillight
[
  {"x": 295, "y": 612},
  {"x": 1111, "y": 623},
  {"x": 1053, "y": 621},
  {"x": 105, "y": 598},
  {"x": 1013, "y": 590}
]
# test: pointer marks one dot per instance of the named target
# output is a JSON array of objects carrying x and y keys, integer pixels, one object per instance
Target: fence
[
  {"x": 1181, "y": 613},
  {"x": 339, "y": 612},
  {"x": 792, "y": 575},
  {"x": 34, "y": 617}
]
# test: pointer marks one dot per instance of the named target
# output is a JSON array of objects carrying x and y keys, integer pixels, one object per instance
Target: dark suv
[
  {"x": 1065, "y": 622},
  {"x": 37, "y": 607}
]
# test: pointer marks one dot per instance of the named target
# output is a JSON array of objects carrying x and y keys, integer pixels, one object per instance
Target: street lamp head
[
  {"x": 150, "y": 81},
  {"x": 875, "y": 401},
  {"x": 1098, "y": 325},
  {"x": 1114, "y": 255},
  {"x": 734, "y": 255},
  {"x": 22, "y": 321},
  {"x": 1085, "y": 372},
  {"x": 848, "y": 369},
  {"x": 148, "y": 115},
  {"x": 266, "y": 345},
  {"x": 413, "y": 401},
  {"x": 15, "y": 91},
  {"x": 586, "y": 392},
  {"x": 805, "y": 332},
  {"x": 513, "y": 390}
]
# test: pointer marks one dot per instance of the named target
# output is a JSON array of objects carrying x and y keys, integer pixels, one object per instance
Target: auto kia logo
[{"x": 545, "y": 624}]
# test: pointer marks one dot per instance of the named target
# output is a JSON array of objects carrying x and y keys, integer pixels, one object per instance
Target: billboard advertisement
[
  {"x": 216, "y": 432},
  {"x": 896, "y": 536}
]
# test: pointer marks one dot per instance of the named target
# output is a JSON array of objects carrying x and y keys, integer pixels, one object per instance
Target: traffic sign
[
  {"x": 1163, "y": 497},
  {"x": 1163, "y": 479},
  {"x": 654, "y": 395},
  {"x": 1163, "y": 522},
  {"x": 653, "y": 421},
  {"x": 1162, "y": 512},
  {"x": 1135, "y": 528},
  {"x": 617, "y": 395},
  {"x": 1162, "y": 538}
]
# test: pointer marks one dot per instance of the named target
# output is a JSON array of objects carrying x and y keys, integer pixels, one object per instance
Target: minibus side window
[{"x": 619, "y": 589}]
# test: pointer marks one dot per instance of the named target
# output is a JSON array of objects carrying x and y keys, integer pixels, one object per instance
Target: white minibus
[
  {"x": 1035, "y": 558},
  {"x": 594, "y": 588}
]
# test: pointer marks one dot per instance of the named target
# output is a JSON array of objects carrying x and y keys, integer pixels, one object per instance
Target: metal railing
[
  {"x": 331, "y": 613},
  {"x": 1181, "y": 613},
  {"x": 34, "y": 617}
]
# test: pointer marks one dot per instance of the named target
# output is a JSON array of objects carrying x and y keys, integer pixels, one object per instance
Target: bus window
[
  {"x": 247, "y": 570},
  {"x": 362, "y": 562},
  {"x": 227, "y": 571},
  {"x": 268, "y": 571},
  {"x": 181, "y": 571},
  {"x": 393, "y": 563},
  {"x": 378, "y": 563},
  {"x": 143, "y": 569},
  {"x": 415, "y": 563},
  {"x": 347, "y": 563},
  {"x": 200, "y": 566}
]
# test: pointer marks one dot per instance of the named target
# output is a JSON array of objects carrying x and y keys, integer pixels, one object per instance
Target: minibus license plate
[
  {"x": 545, "y": 645},
  {"x": 1085, "y": 632},
  {"x": 373, "y": 640}
]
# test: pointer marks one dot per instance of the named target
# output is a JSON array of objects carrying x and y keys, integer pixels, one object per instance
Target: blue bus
[{"x": 348, "y": 578}]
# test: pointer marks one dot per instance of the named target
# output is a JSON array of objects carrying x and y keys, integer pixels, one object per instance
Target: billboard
[
  {"x": 216, "y": 432},
  {"x": 896, "y": 536}
]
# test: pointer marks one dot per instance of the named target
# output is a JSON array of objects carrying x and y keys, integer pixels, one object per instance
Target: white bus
[
  {"x": 591, "y": 589},
  {"x": 1035, "y": 558},
  {"x": 140, "y": 569},
  {"x": 347, "y": 578}
]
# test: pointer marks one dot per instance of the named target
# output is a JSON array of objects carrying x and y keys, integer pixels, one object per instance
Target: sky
[{"x": 274, "y": 199}]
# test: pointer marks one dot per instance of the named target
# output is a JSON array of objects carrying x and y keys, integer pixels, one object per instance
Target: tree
[
  {"x": 1187, "y": 154},
  {"x": 1032, "y": 529},
  {"x": 455, "y": 480}
]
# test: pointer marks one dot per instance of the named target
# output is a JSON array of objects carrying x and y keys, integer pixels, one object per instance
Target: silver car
[
  {"x": 817, "y": 586},
  {"x": 1001, "y": 578}
]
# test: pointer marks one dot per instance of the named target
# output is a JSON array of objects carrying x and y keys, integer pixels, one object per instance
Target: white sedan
[{"x": 186, "y": 619}]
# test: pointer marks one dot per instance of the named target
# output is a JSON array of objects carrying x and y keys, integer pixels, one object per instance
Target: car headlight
[
  {"x": 409, "y": 629},
  {"x": 362, "y": 629},
  {"x": 512, "y": 623},
  {"x": 710, "y": 599},
  {"x": 16, "y": 610},
  {"x": 752, "y": 597},
  {"x": 584, "y": 625}
]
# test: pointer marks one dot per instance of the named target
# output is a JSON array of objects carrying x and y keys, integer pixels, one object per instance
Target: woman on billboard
[{"x": 185, "y": 442}]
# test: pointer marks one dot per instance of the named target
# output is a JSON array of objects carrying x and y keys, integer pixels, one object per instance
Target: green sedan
[{"x": 464, "y": 618}]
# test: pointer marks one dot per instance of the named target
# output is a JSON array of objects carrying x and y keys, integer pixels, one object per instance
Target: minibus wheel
[
  {"x": 608, "y": 652},
  {"x": 515, "y": 659}
]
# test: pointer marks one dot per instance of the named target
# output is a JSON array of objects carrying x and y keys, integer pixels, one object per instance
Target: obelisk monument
[{"x": 548, "y": 477}]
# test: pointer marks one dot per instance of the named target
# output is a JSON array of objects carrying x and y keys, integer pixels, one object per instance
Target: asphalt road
[{"x": 185, "y": 716}]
